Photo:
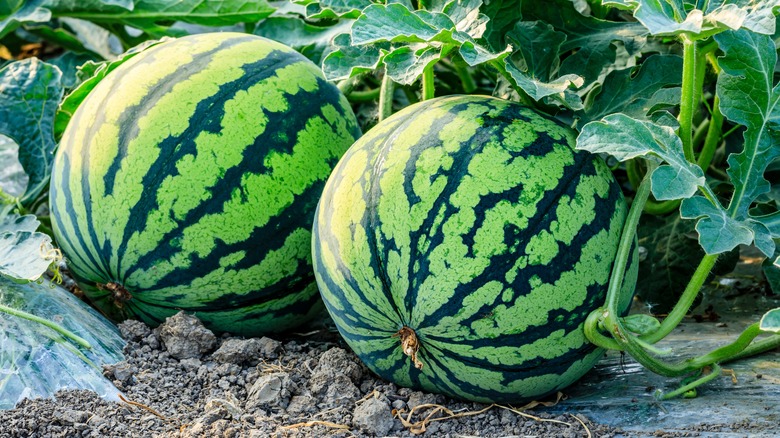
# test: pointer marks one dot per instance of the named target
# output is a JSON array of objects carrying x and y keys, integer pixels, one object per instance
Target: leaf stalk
[
  {"x": 687, "y": 103},
  {"x": 386, "y": 97},
  {"x": 52, "y": 325}
]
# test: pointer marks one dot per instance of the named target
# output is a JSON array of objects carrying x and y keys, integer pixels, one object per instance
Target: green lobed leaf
[
  {"x": 560, "y": 87},
  {"x": 32, "y": 11},
  {"x": 333, "y": 9},
  {"x": 93, "y": 37},
  {"x": 770, "y": 322},
  {"x": 89, "y": 75},
  {"x": 13, "y": 180},
  {"x": 749, "y": 98},
  {"x": 676, "y": 17},
  {"x": 406, "y": 41},
  {"x": 29, "y": 93},
  {"x": 396, "y": 23},
  {"x": 718, "y": 232},
  {"x": 405, "y": 64},
  {"x": 662, "y": 17},
  {"x": 538, "y": 48},
  {"x": 25, "y": 254},
  {"x": 533, "y": 66},
  {"x": 590, "y": 42},
  {"x": 502, "y": 16},
  {"x": 637, "y": 91},
  {"x": 771, "y": 269},
  {"x": 75, "y": 35},
  {"x": 151, "y": 16},
  {"x": 314, "y": 42},
  {"x": 625, "y": 137},
  {"x": 349, "y": 60},
  {"x": 761, "y": 16},
  {"x": 70, "y": 64}
]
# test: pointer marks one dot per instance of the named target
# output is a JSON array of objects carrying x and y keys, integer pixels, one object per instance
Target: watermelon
[
  {"x": 188, "y": 179},
  {"x": 460, "y": 245}
]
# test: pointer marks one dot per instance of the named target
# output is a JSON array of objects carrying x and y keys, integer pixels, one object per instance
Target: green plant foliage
[
  {"x": 625, "y": 138},
  {"x": 314, "y": 42},
  {"x": 636, "y": 91},
  {"x": 31, "y": 91},
  {"x": 79, "y": 36},
  {"x": 408, "y": 42},
  {"x": 590, "y": 42},
  {"x": 25, "y": 254},
  {"x": 531, "y": 65},
  {"x": 670, "y": 18},
  {"x": 151, "y": 16},
  {"x": 333, "y": 8},
  {"x": 770, "y": 322},
  {"x": 771, "y": 269},
  {"x": 749, "y": 98}
]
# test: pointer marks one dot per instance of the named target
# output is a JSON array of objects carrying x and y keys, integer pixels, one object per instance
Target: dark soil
[{"x": 180, "y": 380}]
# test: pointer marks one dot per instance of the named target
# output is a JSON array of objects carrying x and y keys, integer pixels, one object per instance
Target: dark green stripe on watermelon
[
  {"x": 196, "y": 186},
  {"x": 471, "y": 221}
]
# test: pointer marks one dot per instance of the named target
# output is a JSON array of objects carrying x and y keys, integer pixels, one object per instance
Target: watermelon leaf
[
  {"x": 502, "y": 16},
  {"x": 23, "y": 12},
  {"x": 13, "y": 179},
  {"x": 770, "y": 322},
  {"x": 312, "y": 41},
  {"x": 411, "y": 40},
  {"x": 79, "y": 36},
  {"x": 333, "y": 9},
  {"x": 637, "y": 91},
  {"x": 151, "y": 16},
  {"x": 70, "y": 64},
  {"x": 771, "y": 269},
  {"x": 539, "y": 89},
  {"x": 25, "y": 254},
  {"x": 29, "y": 93},
  {"x": 671, "y": 18},
  {"x": 749, "y": 98},
  {"x": 349, "y": 60},
  {"x": 625, "y": 137},
  {"x": 531, "y": 65},
  {"x": 591, "y": 42}
]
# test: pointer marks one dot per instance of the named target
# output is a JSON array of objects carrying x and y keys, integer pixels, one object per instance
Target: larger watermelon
[
  {"x": 460, "y": 245},
  {"x": 188, "y": 180}
]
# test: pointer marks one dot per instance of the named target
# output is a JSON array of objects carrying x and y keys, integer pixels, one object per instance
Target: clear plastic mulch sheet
[{"x": 36, "y": 361}]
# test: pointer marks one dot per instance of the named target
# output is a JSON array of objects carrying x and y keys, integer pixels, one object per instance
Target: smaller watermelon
[
  {"x": 460, "y": 245},
  {"x": 188, "y": 179}
]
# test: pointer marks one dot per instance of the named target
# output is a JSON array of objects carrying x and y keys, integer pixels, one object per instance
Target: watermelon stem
[
  {"x": 386, "y": 97},
  {"x": 118, "y": 292},
  {"x": 409, "y": 344},
  {"x": 428, "y": 83},
  {"x": 51, "y": 324},
  {"x": 462, "y": 69},
  {"x": 687, "y": 99}
]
